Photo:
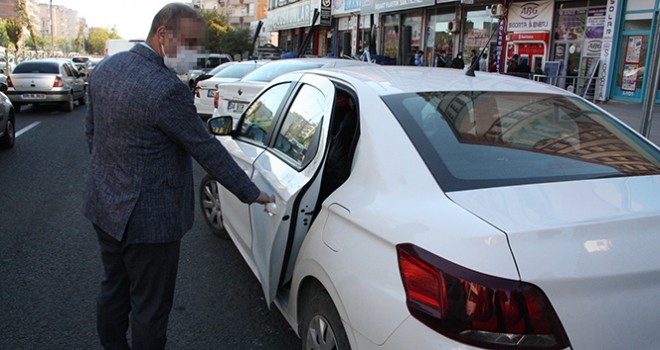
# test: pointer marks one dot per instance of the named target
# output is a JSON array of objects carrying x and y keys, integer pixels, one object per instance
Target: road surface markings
[{"x": 26, "y": 129}]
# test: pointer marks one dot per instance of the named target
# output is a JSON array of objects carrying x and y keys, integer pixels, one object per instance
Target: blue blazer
[{"x": 142, "y": 128}]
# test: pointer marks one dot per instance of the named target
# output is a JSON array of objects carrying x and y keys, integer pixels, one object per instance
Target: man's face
[{"x": 188, "y": 37}]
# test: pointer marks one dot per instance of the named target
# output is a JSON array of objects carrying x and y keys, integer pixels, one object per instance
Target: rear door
[{"x": 290, "y": 170}]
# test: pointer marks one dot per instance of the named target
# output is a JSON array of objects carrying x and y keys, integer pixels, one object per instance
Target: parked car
[
  {"x": 234, "y": 97},
  {"x": 7, "y": 120},
  {"x": 268, "y": 51},
  {"x": 46, "y": 81},
  {"x": 210, "y": 73},
  {"x": 420, "y": 208},
  {"x": 82, "y": 64},
  {"x": 205, "y": 91},
  {"x": 205, "y": 63}
]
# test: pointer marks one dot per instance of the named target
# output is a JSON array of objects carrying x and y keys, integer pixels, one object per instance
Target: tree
[
  {"x": 14, "y": 32},
  {"x": 80, "y": 38},
  {"x": 24, "y": 20},
  {"x": 221, "y": 37},
  {"x": 97, "y": 37}
]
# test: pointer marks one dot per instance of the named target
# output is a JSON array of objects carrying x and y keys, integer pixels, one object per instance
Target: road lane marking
[{"x": 26, "y": 129}]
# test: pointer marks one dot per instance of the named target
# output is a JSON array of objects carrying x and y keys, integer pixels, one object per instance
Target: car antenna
[{"x": 473, "y": 65}]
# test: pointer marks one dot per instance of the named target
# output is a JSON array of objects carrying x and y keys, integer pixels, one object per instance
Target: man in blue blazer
[{"x": 142, "y": 129}]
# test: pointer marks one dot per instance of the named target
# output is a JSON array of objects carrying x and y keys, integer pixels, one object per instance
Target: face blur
[{"x": 187, "y": 38}]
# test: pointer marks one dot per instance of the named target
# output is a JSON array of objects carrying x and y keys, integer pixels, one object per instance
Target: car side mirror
[{"x": 221, "y": 126}]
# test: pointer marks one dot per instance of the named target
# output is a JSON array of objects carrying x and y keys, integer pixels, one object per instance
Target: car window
[
  {"x": 270, "y": 71},
  {"x": 68, "y": 70},
  {"x": 472, "y": 139},
  {"x": 258, "y": 119},
  {"x": 237, "y": 70},
  {"x": 38, "y": 67},
  {"x": 298, "y": 138}
]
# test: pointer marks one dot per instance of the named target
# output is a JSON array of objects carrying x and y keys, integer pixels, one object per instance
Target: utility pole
[
  {"x": 652, "y": 78},
  {"x": 52, "y": 35}
]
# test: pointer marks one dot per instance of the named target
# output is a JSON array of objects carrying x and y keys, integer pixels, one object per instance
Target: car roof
[{"x": 389, "y": 80}]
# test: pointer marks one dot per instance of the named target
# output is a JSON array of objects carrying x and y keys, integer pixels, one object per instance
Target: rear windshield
[
  {"x": 38, "y": 67},
  {"x": 237, "y": 70},
  {"x": 270, "y": 71},
  {"x": 474, "y": 139}
]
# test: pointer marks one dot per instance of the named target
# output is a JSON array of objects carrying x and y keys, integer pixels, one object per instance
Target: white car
[
  {"x": 427, "y": 209},
  {"x": 234, "y": 97},
  {"x": 205, "y": 91}
]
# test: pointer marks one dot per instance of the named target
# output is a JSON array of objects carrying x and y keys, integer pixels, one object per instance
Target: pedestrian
[
  {"x": 474, "y": 58},
  {"x": 512, "y": 65},
  {"x": 458, "y": 62},
  {"x": 142, "y": 128},
  {"x": 483, "y": 63},
  {"x": 419, "y": 58}
]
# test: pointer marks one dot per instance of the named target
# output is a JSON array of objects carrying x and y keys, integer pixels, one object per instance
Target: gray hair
[{"x": 171, "y": 15}]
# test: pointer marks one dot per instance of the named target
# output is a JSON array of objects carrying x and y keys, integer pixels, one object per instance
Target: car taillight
[
  {"x": 216, "y": 97},
  {"x": 475, "y": 308},
  {"x": 9, "y": 82},
  {"x": 58, "y": 82}
]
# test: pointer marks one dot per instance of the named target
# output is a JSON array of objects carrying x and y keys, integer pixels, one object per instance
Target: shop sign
[
  {"x": 606, "y": 50},
  {"x": 378, "y": 6},
  {"x": 345, "y": 6},
  {"x": 326, "y": 12},
  {"x": 594, "y": 48},
  {"x": 595, "y": 23},
  {"x": 530, "y": 16},
  {"x": 291, "y": 16}
]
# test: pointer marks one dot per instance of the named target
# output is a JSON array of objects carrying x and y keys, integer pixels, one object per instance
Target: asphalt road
[{"x": 50, "y": 265}]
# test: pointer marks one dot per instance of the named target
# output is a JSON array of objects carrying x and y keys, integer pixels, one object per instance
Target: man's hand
[{"x": 265, "y": 199}]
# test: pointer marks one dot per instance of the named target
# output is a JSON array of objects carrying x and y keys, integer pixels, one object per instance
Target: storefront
[
  {"x": 479, "y": 32},
  {"x": 293, "y": 20},
  {"x": 634, "y": 52}
]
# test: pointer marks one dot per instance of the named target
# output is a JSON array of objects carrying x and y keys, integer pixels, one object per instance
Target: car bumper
[{"x": 37, "y": 96}]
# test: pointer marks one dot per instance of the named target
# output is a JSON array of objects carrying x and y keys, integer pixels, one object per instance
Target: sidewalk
[{"x": 631, "y": 114}]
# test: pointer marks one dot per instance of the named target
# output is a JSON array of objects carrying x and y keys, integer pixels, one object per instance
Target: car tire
[
  {"x": 68, "y": 106},
  {"x": 209, "y": 203},
  {"x": 7, "y": 140},
  {"x": 321, "y": 326},
  {"x": 83, "y": 99}
]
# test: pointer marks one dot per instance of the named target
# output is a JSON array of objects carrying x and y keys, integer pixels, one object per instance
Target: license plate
[
  {"x": 235, "y": 107},
  {"x": 33, "y": 96},
  {"x": 211, "y": 93}
]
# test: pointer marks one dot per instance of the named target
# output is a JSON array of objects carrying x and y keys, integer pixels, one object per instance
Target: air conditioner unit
[
  {"x": 498, "y": 10},
  {"x": 453, "y": 26}
]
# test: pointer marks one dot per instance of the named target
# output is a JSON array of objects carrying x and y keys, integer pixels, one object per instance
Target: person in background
[
  {"x": 419, "y": 58},
  {"x": 458, "y": 62},
  {"x": 512, "y": 65},
  {"x": 474, "y": 58},
  {"x": 139, "y": 192},
  {"x": 483, "y": 63}
]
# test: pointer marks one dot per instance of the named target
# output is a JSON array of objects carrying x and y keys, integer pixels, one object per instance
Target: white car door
[
  {"x": 248, "y": 144},
  {"x": 290, "y": 170}
]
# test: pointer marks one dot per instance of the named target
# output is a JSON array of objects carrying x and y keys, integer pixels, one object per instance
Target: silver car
[
  {"x": 46, "y": 81},
  {"x": 7, "y": 120}
]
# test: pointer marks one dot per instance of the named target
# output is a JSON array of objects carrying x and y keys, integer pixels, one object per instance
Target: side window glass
[
  {"x": 258, "y": 119},
  {"x": 67, "y": 71},
  {"x": 299, "y": 137}
]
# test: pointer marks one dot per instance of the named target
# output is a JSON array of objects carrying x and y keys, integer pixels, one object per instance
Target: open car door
[{"x": 290, "y": 169}]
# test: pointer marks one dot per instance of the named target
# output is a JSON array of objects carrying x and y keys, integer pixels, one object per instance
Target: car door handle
[{"x": 270, "y": 209}]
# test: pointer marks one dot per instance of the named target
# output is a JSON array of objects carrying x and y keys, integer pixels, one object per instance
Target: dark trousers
[{"x": 139, "y": 281}]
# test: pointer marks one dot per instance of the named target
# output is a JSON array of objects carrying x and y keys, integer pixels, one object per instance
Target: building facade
[{"x": 598, "y": 49}]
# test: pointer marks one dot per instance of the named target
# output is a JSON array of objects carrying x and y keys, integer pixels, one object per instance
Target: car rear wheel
[
  {"x": 322, "y": 328},
  {"x": 68, "y": 106},
  {"x": 209, "y": 202},
  {"x": 83, "y": 99},
  {"x": 7, "y": 140}
]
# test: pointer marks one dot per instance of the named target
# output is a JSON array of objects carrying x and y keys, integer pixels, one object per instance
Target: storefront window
[
  {"x": 391, "y": 36},
  {"x": 477, "y": 31},
  {"x": 412, "y": 36},
  {"x": 440, "y": 39}
]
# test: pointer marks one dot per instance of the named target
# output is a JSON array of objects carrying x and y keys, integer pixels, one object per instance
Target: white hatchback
[{"x": 420, "y": 208}]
